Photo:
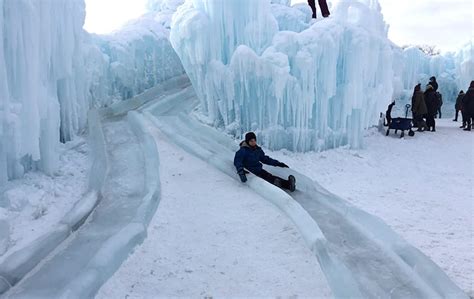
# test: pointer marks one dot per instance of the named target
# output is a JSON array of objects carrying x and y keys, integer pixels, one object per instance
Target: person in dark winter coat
[
  {"x": 458, "y": 105},
  {"x": 419, "y": 108},
  {"x": 431, "y": 101},
  {"x": 468, "y": 106},
  {"x": 250, "y": 156},
  {"x": 388, "y": 114},
  {"x": 434, "y": 83},
  {"x": 435, "y": 86},
  {"x": 322, "y": 4}
]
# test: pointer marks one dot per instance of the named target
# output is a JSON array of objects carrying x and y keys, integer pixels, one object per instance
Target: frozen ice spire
[{"x": 308, "y": 90}]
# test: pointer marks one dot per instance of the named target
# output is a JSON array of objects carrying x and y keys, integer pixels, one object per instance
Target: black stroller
[{"x": 400, "y": 123}]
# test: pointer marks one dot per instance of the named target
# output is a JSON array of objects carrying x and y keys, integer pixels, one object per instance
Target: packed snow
[
  {"x": 420, "y": 186},
  {"x": 34, "y": 205},
  {"x": 256, "y": 251}
]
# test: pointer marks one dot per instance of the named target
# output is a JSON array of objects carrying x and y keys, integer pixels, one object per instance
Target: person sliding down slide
[{"x": 250, "y": 156}]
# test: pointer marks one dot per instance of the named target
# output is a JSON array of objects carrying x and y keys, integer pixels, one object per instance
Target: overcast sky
[{"x": 447, "y": 24}]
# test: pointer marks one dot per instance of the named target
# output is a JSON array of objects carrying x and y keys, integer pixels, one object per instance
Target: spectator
[
  {"x": 419, "y": 108},
  {"x": 431, "y": 101},
  {"x": 468, "y": 106},
  {"x": 458, "y": 105}
]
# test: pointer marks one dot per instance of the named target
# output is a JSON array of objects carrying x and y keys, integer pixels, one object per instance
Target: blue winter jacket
[{"x": 250, "y": 158}]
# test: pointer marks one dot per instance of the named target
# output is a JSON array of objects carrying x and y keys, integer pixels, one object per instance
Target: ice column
[
  {"x": 39, "y": 87},
  {"x": 309, "y": 90}
]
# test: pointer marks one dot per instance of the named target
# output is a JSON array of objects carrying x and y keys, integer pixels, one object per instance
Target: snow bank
[
  {"x": 19, "y": 263},
  {"x": 308, "y": 90},
  {"x": 42, "y": 99}
]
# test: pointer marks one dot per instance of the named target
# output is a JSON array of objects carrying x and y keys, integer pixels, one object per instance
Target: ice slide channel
[
  {"x": 129, "y": 197},
  {"x": 359, "y": 254}
]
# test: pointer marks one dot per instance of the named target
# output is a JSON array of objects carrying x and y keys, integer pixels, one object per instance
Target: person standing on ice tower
[
  {"x": 250, "y": 156},
  {"x": 322, "y": 5}
]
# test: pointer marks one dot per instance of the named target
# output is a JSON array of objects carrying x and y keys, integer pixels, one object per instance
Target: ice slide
[
  {"x": 129, "y": 197},
  {"x": 359, "y": 254}
]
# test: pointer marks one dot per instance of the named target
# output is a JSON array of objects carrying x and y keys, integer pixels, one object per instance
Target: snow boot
[
  {"x": 467, "y": 129},
  {"x": 292, "y": 181}
]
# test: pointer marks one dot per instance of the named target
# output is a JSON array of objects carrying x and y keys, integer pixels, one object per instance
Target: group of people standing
[
  {"x": 425, "y": 105},
  {"x": 465, "y": 105}
]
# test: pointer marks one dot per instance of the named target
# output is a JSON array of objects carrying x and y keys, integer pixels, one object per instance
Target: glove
[
  {"x": 283, "y": 165},
  {"x": 242, "y": 176}
]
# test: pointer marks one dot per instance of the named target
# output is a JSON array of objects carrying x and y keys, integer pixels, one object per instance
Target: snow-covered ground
[
  {"x": 421, "y": 186},
  {"x": 36, "y": 203},
  {"x": 214, "y": 237}
]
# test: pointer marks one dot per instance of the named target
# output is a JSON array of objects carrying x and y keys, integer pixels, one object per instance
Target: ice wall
[
  {"x": 41, "y": 97},
  {"x": 453, "y": 71},
  {"x": 309, "y": 90},
  {"x": 464, "y": 62},
  {"x": 51, "y": 72},
  {"x": 131, "y": 60}
]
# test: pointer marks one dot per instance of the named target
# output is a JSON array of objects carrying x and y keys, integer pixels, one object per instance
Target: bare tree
[{"x": 429, "y": 50}]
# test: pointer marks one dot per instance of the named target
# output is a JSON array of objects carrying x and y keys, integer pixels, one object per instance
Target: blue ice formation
[
  {"x": 302, "y": 89},
  {"x": 126, "y": 63},
  {"x": 52, "y": 72},
  {"x": 41, "y": 94},
  {"x": 453, "y": 71},
  {"x": 256, "y": 65}
]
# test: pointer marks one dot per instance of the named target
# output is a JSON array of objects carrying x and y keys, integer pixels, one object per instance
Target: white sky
[
  {"x": 447, "y": 24},
  {"x": 105, "y": 16}
]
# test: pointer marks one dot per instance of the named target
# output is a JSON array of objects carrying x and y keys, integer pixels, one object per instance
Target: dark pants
[
  {"x": 322, "y": 4},
  {"x": 416, "y": 118},
  {"x": 456, "y": 115},
  {"x": 438, "y": 113},
  {"x": 419, "y": 122},
  {"x": 469, "y": 119},
  {"x": 465, "y": 116},
  {"x": 271, "y": 179},
  {"x": 430, "y": 121}
]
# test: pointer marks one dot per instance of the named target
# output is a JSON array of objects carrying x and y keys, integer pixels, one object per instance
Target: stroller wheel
[
  {"x": 411, "y": 133},
  {"x": 402, "y": 134}
]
